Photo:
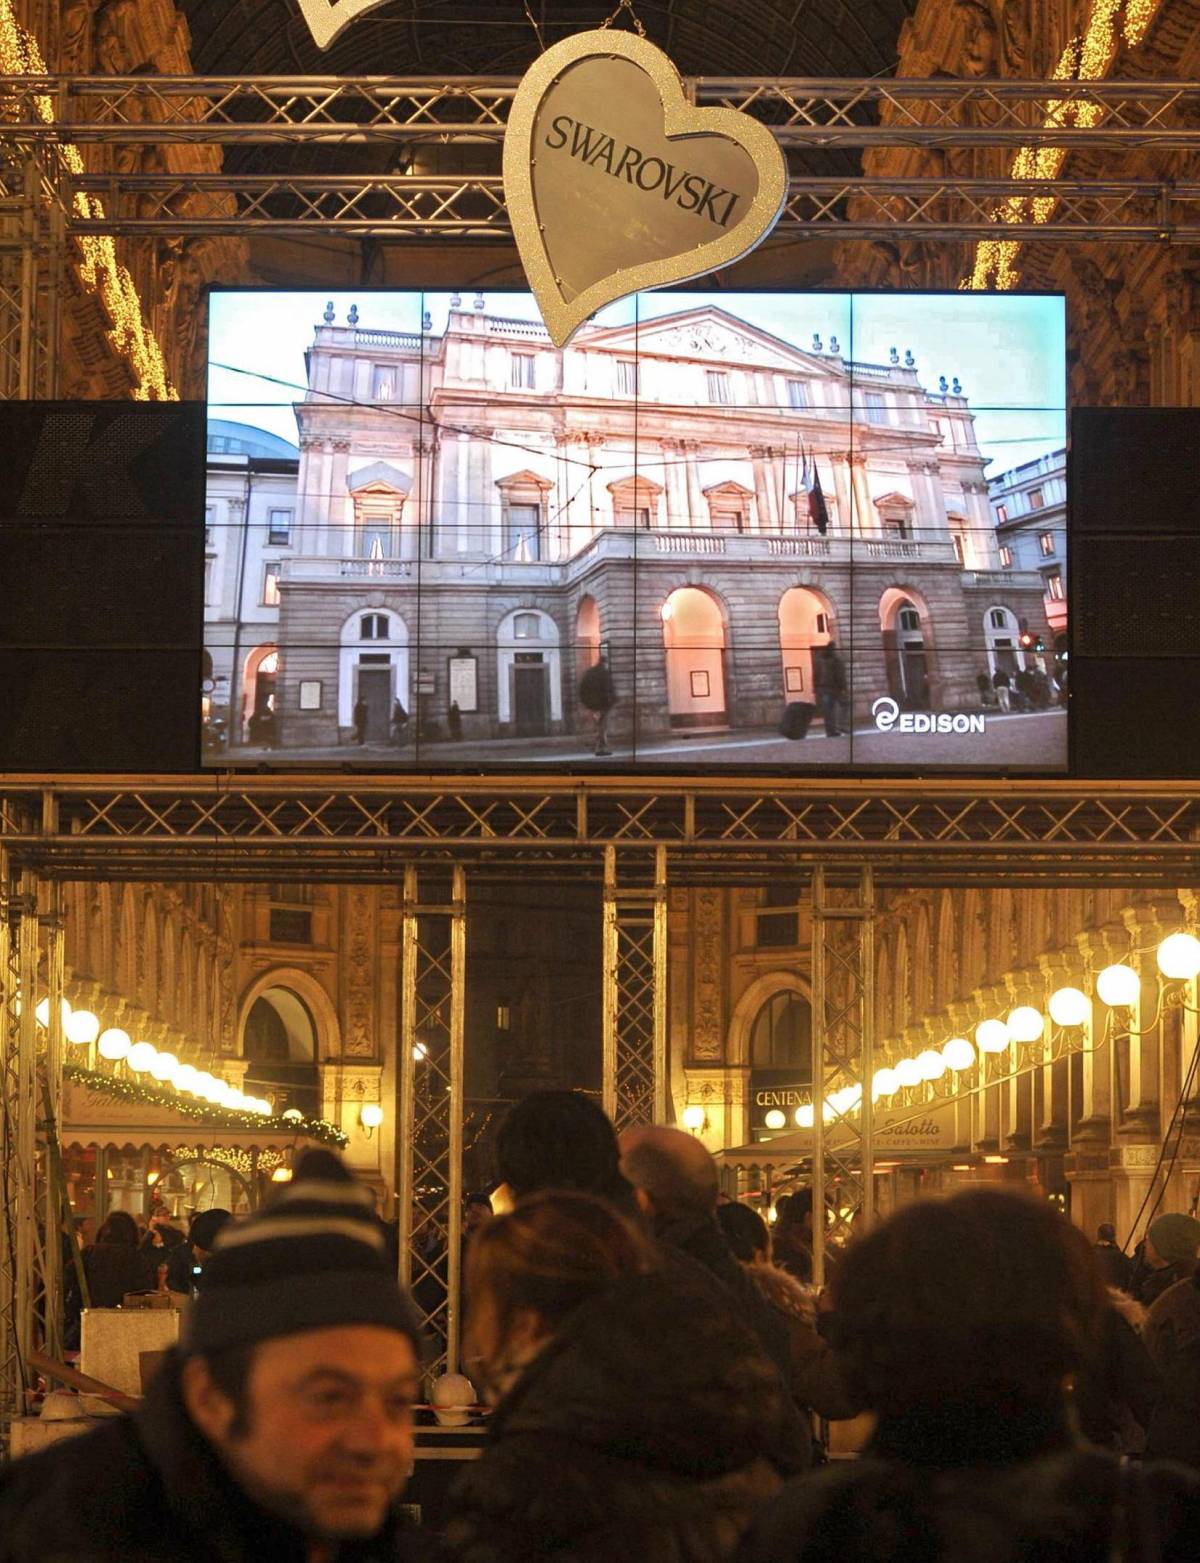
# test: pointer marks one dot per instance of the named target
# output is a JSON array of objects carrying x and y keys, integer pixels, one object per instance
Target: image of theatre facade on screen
[{"x": 713, "y": 530}]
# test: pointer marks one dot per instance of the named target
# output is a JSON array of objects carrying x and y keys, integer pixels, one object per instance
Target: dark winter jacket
[
  {"x": 149, "y": 1489},
  {"x": 1173, "y": 1340},
  {"x": 1120, "y": 1386},
  {"x": 650, "y": 1430},
  {"x": 1155, "y": 1282},
  {"x": 699, "y": 1242},
  {"x": 1114, "y": 1265},
  {"x": 959, "y": 1491},
  {"x": 815, "y": 1375},
  {"x": 112, "y": 1269}
]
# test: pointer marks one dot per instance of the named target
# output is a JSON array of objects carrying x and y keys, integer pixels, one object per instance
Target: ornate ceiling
[{"x": 495, "y": 37}]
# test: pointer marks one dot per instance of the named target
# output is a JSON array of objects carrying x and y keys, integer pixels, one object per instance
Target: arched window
[
  {"x": 527, "y": 626},
  {"x": 781, "y": 1037},
  {"x": 909, "y": 618},
  {"x": 373, "y": 626},
  {"x": 280, "y": 1040}
]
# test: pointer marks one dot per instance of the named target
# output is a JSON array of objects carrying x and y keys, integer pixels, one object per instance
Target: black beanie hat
[
  {"x": 205, "y": 1225},
  {"x": 315, "y": 1257}
]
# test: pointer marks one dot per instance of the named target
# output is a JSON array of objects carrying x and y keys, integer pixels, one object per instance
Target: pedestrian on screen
[
  {"x": 399, "y": 722},
  {"x": 598, "y": 695},
  {"x": 829, "y": 680},
  {"x": 360, "y": 721}
]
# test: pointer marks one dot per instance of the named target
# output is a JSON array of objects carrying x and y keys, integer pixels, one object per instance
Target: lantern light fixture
[
  {"x": 931, "y": 1064},
  {"x": 776, "y": 1119},
  {"x": 958, "y": 1054},
  {"x": 991, "y": 1036},
  {"x": 1119, "y": 986},
  {"x": 1069, "y": 1007},
  {"x": 1179, "y": 957},
  {"x": 1025, "y": 1024},
  {"x": 884, "y": 1083},
  {"x": 140, "y": 1056},
  {"x": 163, "y": 1066},
  {"x": 908, "y": 1072},
  {"x": 81, "y": 1027},
  {"x": 114, "y": 1044}
]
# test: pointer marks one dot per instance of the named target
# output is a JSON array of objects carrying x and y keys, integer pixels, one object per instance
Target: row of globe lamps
[
  {"x": 82, "y": 1028},
  {"x": 1118, "y": 986}
]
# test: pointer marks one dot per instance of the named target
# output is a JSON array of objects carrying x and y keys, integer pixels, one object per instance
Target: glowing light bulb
[
  {"x": 693, "y": 1118},
  {"x": 140, "y": 1056},
  {"x": 1025, "y": 1024},
  {"x": 884, "y": 1083},
  {"x": 958, "y": 1053},
  {"x": 931, "y": 1064},
  {"x": 41, "y": 1012},
  {"x": 908, "y": 1072},
  {"x": 282, "y": 1174},
  {"x": 775, "y": 1119},
  {"x": 294, "y": 1115},
  {"x": 1179, "y": 957},
  {"x": 1069, "y": 1007},
  {"x": 991, "y": 1036},
  {"x": 1119, "y": 986},
  {"x": 81, "y": 1027},
  {"x": 804, "y": 1115},
  {"x": 163, "y": 1066},
  {"x": 114, "y": 1044}
]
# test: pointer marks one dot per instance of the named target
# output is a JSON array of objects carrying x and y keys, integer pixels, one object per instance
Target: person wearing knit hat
[
  {"x": 280, "y": 1427},
  {"x": 1171, "y": 1244}
]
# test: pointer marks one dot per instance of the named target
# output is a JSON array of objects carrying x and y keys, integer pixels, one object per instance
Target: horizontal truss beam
[
  {"x": 305, "y": 827},
  {"x": 363, "y": 205},
  {"x": 802, "y": 112}
]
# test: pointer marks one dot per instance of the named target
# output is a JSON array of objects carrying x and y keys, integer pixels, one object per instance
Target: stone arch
[
  {"x": 306, "y": 987},
  {"x": 908, "y": 646},
  {"x": 695, "y": 629},
  {"x": 747, "y": 1008}
]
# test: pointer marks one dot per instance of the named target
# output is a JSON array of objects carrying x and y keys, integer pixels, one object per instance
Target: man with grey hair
[{"x": 675, "y": 1181}]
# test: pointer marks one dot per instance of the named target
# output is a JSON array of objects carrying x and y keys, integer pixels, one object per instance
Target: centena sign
[{"x": 614, "y": 182}]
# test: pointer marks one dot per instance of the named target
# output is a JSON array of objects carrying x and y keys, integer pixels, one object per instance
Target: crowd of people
[{"x": 658, "y": 1363}]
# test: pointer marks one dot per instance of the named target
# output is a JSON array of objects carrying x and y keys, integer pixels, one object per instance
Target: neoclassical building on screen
[{"x": 478, "y": 517}]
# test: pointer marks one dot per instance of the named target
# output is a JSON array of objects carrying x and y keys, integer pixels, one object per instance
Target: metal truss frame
[
  {"x": 635, "y": 990},
  {"x": 429, "y": 1194},
  {"x": 400, "y": 116},
  {"x": 843, "y": 1010},
  {"x": 735, "y": 830}
]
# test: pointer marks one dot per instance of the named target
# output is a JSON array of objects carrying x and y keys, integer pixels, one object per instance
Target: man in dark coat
[
  {"x": 1115, "y": 1265},
  {"x": 1168, "y": 1254},
  {"x": 829, "y": 683},
  {"x": 675, "y": 1181},
  {"x": 1172, "y": 1338},
  {"x": 281, "y": 1427}
]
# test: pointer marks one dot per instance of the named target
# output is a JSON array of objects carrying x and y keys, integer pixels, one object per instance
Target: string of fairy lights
[{"x": 1071, "y": 1009}]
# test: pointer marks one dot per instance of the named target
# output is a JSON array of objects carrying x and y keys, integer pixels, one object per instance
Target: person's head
[
  {"x": 477, "y": 1212},
  {"x": 301, "y": 1359},
  {"x": 85, "y": 1230},
  {"x": 673, "y": 1176},
  {"x": 559, "y": 1140},
  {"x": 119, "y": 1228},
  {"x": 206, "y": 1227},
  {"x": 989, "y": 1296},
  {"x": 746, "y": 1233},
  {"x": 1172, "y": 1239},
  {"x": 1106, "y": 1232},
  {"x": 795, "y": 1211},
  {"x": 528, "y": 1271}
]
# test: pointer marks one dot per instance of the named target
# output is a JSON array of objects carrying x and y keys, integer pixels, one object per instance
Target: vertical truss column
[
  {"x": 430, "y": 1116},
  {"x": 32, "y": 260},
  {"x": 48, "y": 1214},
  {"x": 843, "y": 964},
  {"x": 635, "y": 993}
]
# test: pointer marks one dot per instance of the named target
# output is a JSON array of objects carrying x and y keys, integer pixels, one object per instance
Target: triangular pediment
[
  {"x": 379, "y": 477},
  {"x": 714, "y": 336}
]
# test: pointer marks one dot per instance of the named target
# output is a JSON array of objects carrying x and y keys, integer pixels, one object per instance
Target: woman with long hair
[{"x": 629, "y": 1422}]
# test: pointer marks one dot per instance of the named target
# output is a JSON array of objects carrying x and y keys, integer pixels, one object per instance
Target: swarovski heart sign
[{"x": 615, "y": 183}]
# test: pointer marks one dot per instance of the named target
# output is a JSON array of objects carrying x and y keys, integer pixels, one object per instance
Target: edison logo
[{"x": 888, "y": 715}]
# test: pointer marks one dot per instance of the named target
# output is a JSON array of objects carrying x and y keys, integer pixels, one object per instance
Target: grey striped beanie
[{"x": 315, "y": 1257}]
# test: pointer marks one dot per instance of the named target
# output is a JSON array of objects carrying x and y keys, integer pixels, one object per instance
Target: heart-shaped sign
[
  {"x": 615, "y": 183},
  {"x": 327, "y": 18}
]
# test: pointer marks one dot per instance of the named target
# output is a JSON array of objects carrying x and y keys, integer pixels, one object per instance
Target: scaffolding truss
[
  {"x": 635, "y": 989},
  {"x": 843, "y": 1009},
  {"x": 429, "y": 1193},
  {"x": 735, "y": 830},
  {"x": 401, "y": 125}
]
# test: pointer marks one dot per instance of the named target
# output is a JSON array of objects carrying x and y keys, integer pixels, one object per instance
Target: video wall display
[{"x": 778, "y": 530}]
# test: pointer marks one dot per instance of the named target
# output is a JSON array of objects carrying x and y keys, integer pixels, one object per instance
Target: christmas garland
[{"x": 203, "y": 1112}]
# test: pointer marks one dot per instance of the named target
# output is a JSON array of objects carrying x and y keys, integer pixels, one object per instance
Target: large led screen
[{"x": 779, "y": 530}]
